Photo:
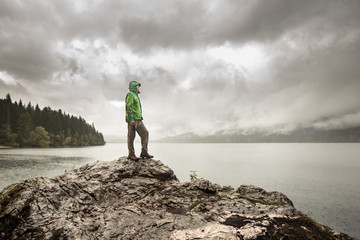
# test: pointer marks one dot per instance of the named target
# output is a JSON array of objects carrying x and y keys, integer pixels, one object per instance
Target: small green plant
[
  {"x": 193, "y": 176},
  {"x": 195, "y": 204}
]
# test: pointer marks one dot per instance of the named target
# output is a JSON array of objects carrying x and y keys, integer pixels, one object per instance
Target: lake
[{"x": 322, "y": 179}]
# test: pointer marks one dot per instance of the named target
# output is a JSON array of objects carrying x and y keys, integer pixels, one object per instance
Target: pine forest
[{"x": 28, "y": 126}]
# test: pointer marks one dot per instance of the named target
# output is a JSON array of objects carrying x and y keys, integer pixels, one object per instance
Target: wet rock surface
[{"x": 125, "y": 199}]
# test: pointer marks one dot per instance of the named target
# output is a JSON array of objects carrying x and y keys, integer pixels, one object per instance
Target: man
[{"x": 135, "y": 123}]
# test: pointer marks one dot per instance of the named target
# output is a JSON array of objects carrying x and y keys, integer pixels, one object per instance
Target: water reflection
[{"x": 16, "y": 167}]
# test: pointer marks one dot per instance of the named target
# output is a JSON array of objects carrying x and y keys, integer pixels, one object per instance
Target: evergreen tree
[
  {"x": 54, "y": 128},
  {"x": 25, "y": 127}
]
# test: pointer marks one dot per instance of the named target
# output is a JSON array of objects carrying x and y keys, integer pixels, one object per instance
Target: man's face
[{"x": 138, "y": 87}]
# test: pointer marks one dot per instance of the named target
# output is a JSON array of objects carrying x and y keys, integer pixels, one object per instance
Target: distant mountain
[
  {"x": 298, "y": 135},
  {"x": 115, "y": 139}
]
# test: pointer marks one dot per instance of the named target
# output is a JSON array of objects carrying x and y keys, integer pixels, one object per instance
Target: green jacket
[{"x": 132, "y": 103}]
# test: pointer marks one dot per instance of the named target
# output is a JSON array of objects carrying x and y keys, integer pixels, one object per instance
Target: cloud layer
[{"x": 204, "y": 65}]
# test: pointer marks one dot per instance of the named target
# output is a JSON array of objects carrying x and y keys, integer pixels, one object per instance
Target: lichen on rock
[{"x": 125, "y": 199}]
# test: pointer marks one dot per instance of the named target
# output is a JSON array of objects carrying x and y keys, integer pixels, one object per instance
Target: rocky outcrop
[{"x": 124, "y": 199}]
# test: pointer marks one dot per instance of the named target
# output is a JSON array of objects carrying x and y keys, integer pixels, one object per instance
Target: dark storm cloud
[
  {"x": 27, "y": 59},
  {"x": 165, "y": 24},
  {"x": 180, "y": 27},
  {"x": 75, "y": 54},
  {"x": 31, "y": 31},
  {"x": 262, "y": 20},
  {"x": 71, "y": 66},
  {"x": 202, "y": 23},
  {"x": 25, "y": 41}
]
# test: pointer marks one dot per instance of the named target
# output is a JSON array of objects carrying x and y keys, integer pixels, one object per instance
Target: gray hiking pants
[{"x": 143, "y": 133}]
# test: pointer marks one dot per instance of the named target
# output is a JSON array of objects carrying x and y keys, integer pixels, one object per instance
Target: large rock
[{"x": 124, "y": 199}]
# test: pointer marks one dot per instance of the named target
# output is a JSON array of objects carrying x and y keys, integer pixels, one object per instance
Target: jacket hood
[{"x": 133, "y": 86}]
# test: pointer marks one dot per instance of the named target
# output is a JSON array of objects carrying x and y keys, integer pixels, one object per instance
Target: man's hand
[{"x": 132, "y": 123}]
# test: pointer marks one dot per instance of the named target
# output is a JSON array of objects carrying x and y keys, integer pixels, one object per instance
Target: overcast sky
[{"x": 204, "y": 65}]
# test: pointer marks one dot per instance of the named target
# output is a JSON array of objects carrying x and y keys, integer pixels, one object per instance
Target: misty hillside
[{"x": 298, "y": 135}]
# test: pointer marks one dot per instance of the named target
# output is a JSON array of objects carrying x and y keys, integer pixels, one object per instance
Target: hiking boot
[
  {"x": 146, "y": 155},
  {"x": 133, "y": 157}
]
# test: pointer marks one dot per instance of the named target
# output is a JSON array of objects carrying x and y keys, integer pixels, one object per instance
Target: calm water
[{"x": 321, "y": 179}]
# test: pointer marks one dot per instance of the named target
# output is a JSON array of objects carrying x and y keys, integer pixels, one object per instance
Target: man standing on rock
[{"x": 135, "y": 123}]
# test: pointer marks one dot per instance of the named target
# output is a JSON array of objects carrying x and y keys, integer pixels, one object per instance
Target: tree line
[{"x": 28, "y": 126}]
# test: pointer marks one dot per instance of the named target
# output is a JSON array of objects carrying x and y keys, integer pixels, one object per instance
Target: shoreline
[{"x": 9, "y": 147}]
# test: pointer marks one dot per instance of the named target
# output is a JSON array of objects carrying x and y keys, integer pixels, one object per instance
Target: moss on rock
[
  {"x": 8, "y": 197},
  {"x": 254, "y": 201}
]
